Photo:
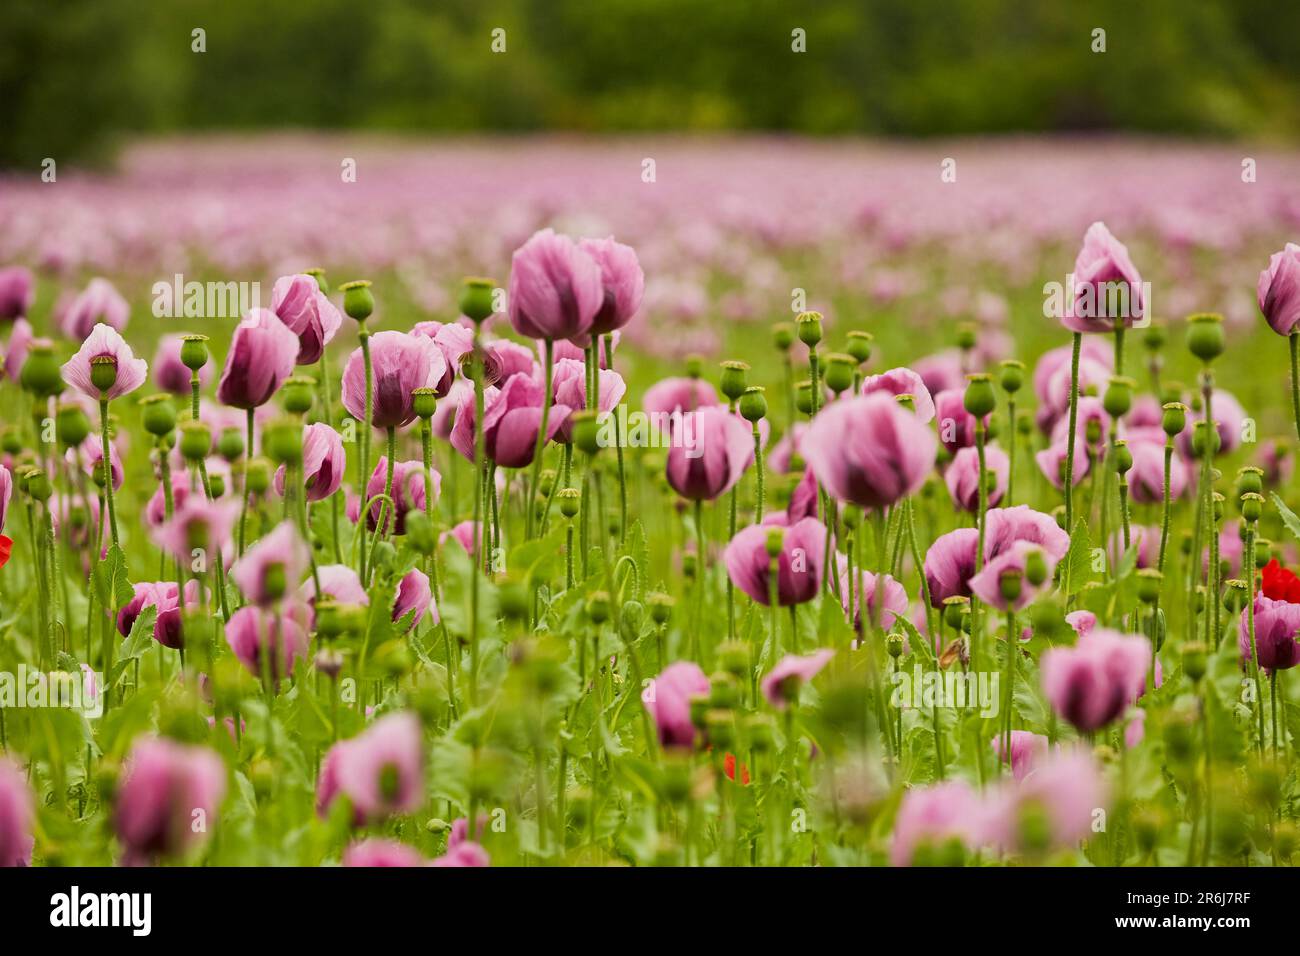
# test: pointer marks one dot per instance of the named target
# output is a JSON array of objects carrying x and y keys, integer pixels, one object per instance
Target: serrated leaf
[
  {"x": 1288, "y": 516},
  {"x": 1078, "y": 560}
]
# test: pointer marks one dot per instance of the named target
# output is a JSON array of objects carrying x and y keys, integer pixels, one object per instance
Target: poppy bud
[
  {"x": 732, "y": 384},
  {"x": 1013, "y": 375},
  {"x": 1035, "y": 568},
  {"x": 282, "y": 440},
  {"x": 783, "y": 336},
  {"x": 1010, "y": 584},
  {"x": 194, "y": 352},
  {"x": 476, "y": 298},
  {"x": 979, "y": 398},
  {"x": 358, "y": 300},
  {"x": 859, "y": 346},
  {"x": 753, "y": 404},
  {"x": 809, "y": 327},
  {"x": 1205, "y": 336},
  {"x": 967, "y": 335}
]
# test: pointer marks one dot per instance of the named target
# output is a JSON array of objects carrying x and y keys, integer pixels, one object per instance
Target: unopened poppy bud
[
  {"x": 775, "y": 540},
  {"x": 1035, "y": 568},
  {"x": 840, "y": 368},
  {"x": 570, "y": 500},
  {"x": 598, "y": 607},
  {"x": 894, "y": 645},
  {"x": 194, "y": 351},
  {"x": 476, "y": 294},
  {"x": 803, "y": 397},
  {"x": 1252, "y": 506},
  {"x": 809, "y": 327},
  {"x": 419, "y": 531},
  {"x": 424, "y": 402},
  {"x": 1249, "y": 480},
  {"x": 73, "y": 425},
  {"x": 1205, "y": 336},
  {"x": 196, "y": 440},
  {"x": 41, "y": 373},
  {"x": 753, "y": 404},
  {"x": 1235, "y": 595},
  {"x": 661, "y": 607},
  {"x": 979, "y": 398},
  {"x": 1119, "y": 396},
  {"x": 1123, "y": 457},
  {"x": 783, "y": 336},
  {"x": 1013, "y": 375},
  {"x": 732, "y": 383},
  {"x": 358, "y": 300},
  {"x": 230, "y": 445},
  {"x": 586, "y": 430},
  {"x": 954, "y": 610},
  {"x": 103, "y": 372},
  {"x": 859, "y": 346},
  {"x": 1174, "y": 419},
  {"x": 1149, "y": 582},
  {"x": 258, "y": 476}
]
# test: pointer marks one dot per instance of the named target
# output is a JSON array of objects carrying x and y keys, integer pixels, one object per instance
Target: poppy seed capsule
[
  {"x": 424, "y": 402},
  {"x": 979, "y": 398},
  {"x": 1119, "y": 396},
  {"x": 317, "y": 273},
  {"x": 1149, "y": 581},
  {"x": 967, "y": 336},
  {"x": 954, "y": 609},
  {"x": 774, "y": 543},
  {"x": 1010, "y": 584},
  {"x": 1205, "y": 336},
  {"x": 839, "y": 372},
  {"x": 1123, "y": 457},
  {"x": 803, "y": 397},
  {"x": 753, "y": 404},
  {"x": 783, "y": 336},
  {"x": 41, "y": 373},
  {"x": 1235, "y": 595},
  {"x": 809, "y": 327},
  {"x": 1154, "y": 338},
  {"x": 894, "y": 645},
  {"x": 103, "y": 372},
  {"x": 297, "y": 394},
  {"x": 570, "y": 502},
  {"x": 230, "y": 445},
  {"x": 859, "y": 346},
  {"x": 732, "y": 383},
  {"x": 1013, "y": 375},
  {"x": 661, "y": 607},
  {"x": 358, "y": 300},
  {"x": 476, "y": 295},
  {"x": 282, "y": 440},
  {"x": 258, "y": 476},
  {"x": 194, "y": 351},
  {"x": 1174, "y": 418},
  {"x": 586, "y": 430},
  {"x": 1035, "y": 568},
  {"x": 196, "y": 440},
  {"x": 1252, "y": 506},
  {"x": 598, "y": 607},
  {"x": 1250, "y": 480},
  {"x": 73, "y": 425},
  {"x": 39, "y": 485}
]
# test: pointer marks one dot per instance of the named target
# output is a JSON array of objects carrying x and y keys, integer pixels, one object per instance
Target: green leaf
[
  {"x": 1289, "y": 517},
  {"x": 1078, "y": 560},
  {"x": 135, "y": 644},
  {"x": 916, "y": 641}
]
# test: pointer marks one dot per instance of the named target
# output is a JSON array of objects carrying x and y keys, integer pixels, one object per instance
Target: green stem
[{"x": 1070, "y": 432}]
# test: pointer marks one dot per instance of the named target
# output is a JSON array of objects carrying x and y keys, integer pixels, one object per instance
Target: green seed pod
[
  {"x": 39, "y": 485},
  {"x": 661, "y": 607},
  {"x": 967, "y": 335},
  {"x": 1035, "y": 568},
  {"x": 809, "y": 327},
  {"x": 1149, "y": 582},
  {"x": 1010, "y": 584},
  {"x": 734, "y": 657},
  {"x": 954, "y": 610},
  {"x": 979, "y": 399},
  {"x": 103, "y": 372},
  {"x": 783, "y": 336},
  {"x": 41, "y": 374},
  {"x": 230, "y": 445},
  {"x": 859, "y": 345},
  {"x": 1249, "y": 480},
  {"x": 282, "y": 439},
  {"x": 358, "y": 300},
  {"x": 839, "y": 372},
  {"x": 1204, "y": 437},
  {"x": 720, "y": 724},
  {"x": 317, "y": 273},
  {"x": 424, "y": 402},
  {"x": 297, "y": 394},
  {"x": 1174, "y": 419},
  {"x": 1205, "y": 336},
  {"x": 73, "y": 425},
  {"x": 516, "y": 601},
  {"x": 803, "y": 396},
  {"x": 419, "y": 531},
  {"x": 194, "y": 351},
  {"x": 258, "y": 476},
  {"x": 570, "y": 500},
  {"x": 476, "y": 295},
  {"x": 1252, "y": 506},
  {"x": 11, "y": 442},
  {"x": 894, "y": 645},
  {"x": 1235, "y": 595},
  {"x": 753, "y": 404},
  {"x": 1013, "y": 375},
  {"x": 196, "y": 440},
  {"x": 217, "y": 482},
  {"x": 694, "y": 366},
  {"x": 724, "y": 690},
  {"x": 1123, "y": 457},
  {"x": 586, "y": 431},
  {"x": 1119, "y": 396},
  {"x": 775, "y": 541},
  {"x": 732, "y": 383},
  {"x": 546, "y": 481},
  {"x": 1154, "y": 337},
  {"x": 598, "y": 607},
  {"x": 329, "y": 617}
]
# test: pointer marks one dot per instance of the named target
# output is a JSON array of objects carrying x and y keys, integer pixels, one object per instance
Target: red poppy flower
[
  {"x": 1280, "y": 584},
  {"x": 6, "y": 548},
  {"x": 729, "y": 768}
]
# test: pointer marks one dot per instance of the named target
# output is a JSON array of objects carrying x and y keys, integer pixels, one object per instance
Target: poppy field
[{"x": 751, "y": 502}]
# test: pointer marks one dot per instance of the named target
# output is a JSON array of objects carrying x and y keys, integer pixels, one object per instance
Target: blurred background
[{"x": 78, "y": 77}]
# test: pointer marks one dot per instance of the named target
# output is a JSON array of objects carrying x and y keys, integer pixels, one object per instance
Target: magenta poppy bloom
[
  {"x": 941, "y": 371},
  {"x": 6, "y": 493},
  {"x": 1277, "y": 461},
  {"x": 456, "y": 343},
  {"x": 668, "y": 698},
  {"x": 400, "y": 364},
  {"x": 376, "y": 852},
  {"x": 869, "y": 450},
  {"x": 783, "y": 682},
  {"x": 264, "y": 639},
  {"x": 569, "y": 388},
  {"x": 338, "y": 581},
  {"x": 308, "y": 313},
  {"x": 1027, "y": 750},
  {"x": 99, "y": 303},
  {"x": 1278, "y": 290},
  {"x": 17, "y": 816},
  {"x": 883, "y": 597},
  {"x": 91, "y": 459},
  {"x": 673, "y": 396},
  {"x": 962, "y": 476},
  {"x": 1052, "y": 377},
  {"x": 1005, "y": 526},
  {"x": 283, "y": 552},
  {"x": 1103, "y": 261},
  {"x": 1145, "y": 538},
  {"x": 933, "y": 816},
  {"x": 1052, "y": 461},
  {"x": 323, "y": 462},
  {"x": 1092, "y": 683},
  {"x": 555, "y": 290},
  {"x": 622, "y": 280},
  {"x": 1277, "y": 624},
  {"x": 711, "y": 448},
  {"x": 1229, "y": 419},
  {"x": 1066, "y": 785},
  {"x": 950, "y": 564},
  {"x": 17, "y": 293},
  {"x": 781, "y": 456},
  {"x": 155, "y": 511},
  {"x": 1091, "y": 424},
  {"x": 466, "y": 534},
  {"x": 163, "y": 595},
  {"x": 170, "y": 373},
  {"x": 902, "y": 381},
  {"x": 262, "y": 355},
  {"x": 380, "y": 771},
  {"x": 198, "y": 523},
  {"x": 987, "y": 584},
  {"x": 409, "y": 492},
  {"x": 104, "y": 340},
  {"x": 799, "y": 566},
  {"x": 512, "y": 416},
  {"x": 15, "y": 352},
  {"x": 803, "y": 501},
  {"x": 956, "y": 425},
  {"x": 164, "y": 783},
  {"x": 414, "y": 596},
  {"x": 1146, "y": 479},
  {"x": 463, "y": 855}
]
